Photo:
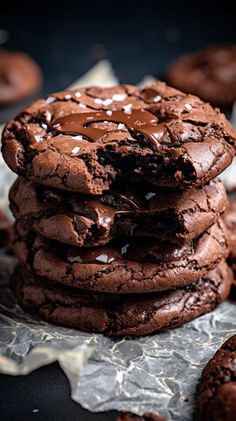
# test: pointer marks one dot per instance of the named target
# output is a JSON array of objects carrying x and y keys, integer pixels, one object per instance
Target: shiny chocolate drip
[
  {"x": 103, "y": 211},
  {"x": 127, "y": 199},
  {"x": 137, "y": 121},
  {"x": 102, "y": 214}
]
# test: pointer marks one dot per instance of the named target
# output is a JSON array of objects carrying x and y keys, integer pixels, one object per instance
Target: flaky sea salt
[
  {"x": 107, "y": 102},
  {"x": 127, "y": 108},
  {"x": 157, "y": 98},
  {"x": 119, "y": 97},
  {"x": 38, "y": 138},
  {"x": 75, "y": 150},
  {"x": 81, "y": 105},
  {"x": 150, "y": 195},
  {"x": 67, "y": 96},
  {"x": 78, "y": 137},
  {"x": 104, "y": 102},
  {"x": 103, "y": 258},
  {"x": 98, "y": 101},
  {"x": 77, "y": 94},
  {"x": 121, "y": 126},
  {"x": 108, "y": 112},
  {"x": 124, "y": 249},
  {"x": 188, "y": 107},
  {"x": 50, "y": 99}
]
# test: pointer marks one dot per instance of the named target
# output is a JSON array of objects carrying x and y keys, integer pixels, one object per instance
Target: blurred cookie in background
[
  {"x": 20, "y": 77},
  {"x": 209, "y": 73}
]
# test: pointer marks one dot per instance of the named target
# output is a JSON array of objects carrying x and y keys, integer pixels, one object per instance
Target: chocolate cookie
[
  {"x": 5, "y": 230},
  {"x": 20, "y": 77},
  {"x": 217, "y": 394},
  {"x": 84, "y": 140},
  {"x": 120, "y": 315},
  {"x": 128, "y": 211},
  {"x": 209, "y": 73},
  {"x": 125, "y": 265},
  {"x": 147, "y": 416}
]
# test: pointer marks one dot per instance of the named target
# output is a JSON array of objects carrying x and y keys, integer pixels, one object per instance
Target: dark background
[{"x": 66, "y": 39}]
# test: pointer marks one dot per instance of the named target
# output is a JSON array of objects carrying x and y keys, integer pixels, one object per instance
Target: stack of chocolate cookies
[{"x": 118, "y": 207}]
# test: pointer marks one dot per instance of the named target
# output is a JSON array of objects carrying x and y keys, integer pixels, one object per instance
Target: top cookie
[
  {"x": 209, "y": 73},
  {"x": 84, "y": 140}
]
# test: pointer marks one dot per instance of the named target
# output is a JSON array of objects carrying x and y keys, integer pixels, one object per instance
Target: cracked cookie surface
[
  {"x": 119, "y": 315},
  {"x": 85, "y": 140},
  {"x": 217, "y": 393},
  {"x": 137, "y": 210},
  {"x": 125, "y": 265}
]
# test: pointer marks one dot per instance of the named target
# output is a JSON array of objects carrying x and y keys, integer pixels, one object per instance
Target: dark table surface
[{"x": 67, "y": 39}]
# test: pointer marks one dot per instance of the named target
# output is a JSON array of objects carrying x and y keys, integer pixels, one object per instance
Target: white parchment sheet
[{"x": 155, "y": 373}]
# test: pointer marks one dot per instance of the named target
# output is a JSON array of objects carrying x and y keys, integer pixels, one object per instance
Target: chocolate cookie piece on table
[
  {"x": 125, "y": 265},
  {"x": 20, "y": 77},
  {"x": 120, "y": 315},
  {"x": 137, "y": 210},
  {"x": 208, "y": 73},
  {"x": 217, "y": 394},
  {"x": 85, "y": 140}
]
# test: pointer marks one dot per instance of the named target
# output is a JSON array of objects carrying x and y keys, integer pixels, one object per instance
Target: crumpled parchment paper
[{"x": 155, "y": 373}]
